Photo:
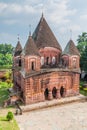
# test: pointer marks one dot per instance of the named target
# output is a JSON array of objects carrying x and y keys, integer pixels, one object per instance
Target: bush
[
  {"x": 81, "y": 87},
  {"x": 9, "y": 116}
]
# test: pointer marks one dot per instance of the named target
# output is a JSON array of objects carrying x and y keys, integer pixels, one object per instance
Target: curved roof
[
  {"x": 44, "y": 37},
  {"x": 71, "y": 49},
  {"x": 18, "y": 49},
  {"x": 30, "y": 47}
]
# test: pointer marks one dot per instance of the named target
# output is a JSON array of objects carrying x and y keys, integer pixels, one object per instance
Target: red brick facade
[{"x": 46, "y": 73}]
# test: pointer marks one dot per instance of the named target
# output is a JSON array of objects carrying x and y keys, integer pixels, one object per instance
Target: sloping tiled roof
[
  {"x": 71, "y": 49},
  {"x": 44, "y": 37},
  {"x": 18, "y": 49},
  {"x": 30, "y": 47}
]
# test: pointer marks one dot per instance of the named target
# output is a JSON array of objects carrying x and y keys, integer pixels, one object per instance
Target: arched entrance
[
  {"x": 46, "y": 93},
  {"x": 62, "y": 91},
  {"x": 54, "y": 92}
]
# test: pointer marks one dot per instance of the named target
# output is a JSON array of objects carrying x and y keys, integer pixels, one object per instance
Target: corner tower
[
  {"x": 30, "y": 57},
  {"x": 71, "y": 56},
  {"x": 17, "y": 54}
]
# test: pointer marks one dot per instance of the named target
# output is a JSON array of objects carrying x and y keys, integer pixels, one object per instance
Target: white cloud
[
  {"x": 83, "y": 17},
  {"x": 10, "y": 21},
  {"x": 15, "y": 8},
  {"x": 58, "y": 11},
  {"x": 7, "y": 37},
  {"x": 75, "y": 28}
]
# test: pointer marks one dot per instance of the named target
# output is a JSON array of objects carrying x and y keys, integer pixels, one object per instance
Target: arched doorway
[
  {"x": 62, "y": 91},
  {"x": 47, "y": 60},
  {"x": 46, "y": 93},
  {"x": 54, "y": 92}
]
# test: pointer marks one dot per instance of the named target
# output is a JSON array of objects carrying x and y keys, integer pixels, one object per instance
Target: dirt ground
[{"x": 71, "y": 116}]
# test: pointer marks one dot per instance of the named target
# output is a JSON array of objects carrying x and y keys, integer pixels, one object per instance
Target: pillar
[
  {"x": 50, "y": 96},
  {"x": 58, "y": 93}
]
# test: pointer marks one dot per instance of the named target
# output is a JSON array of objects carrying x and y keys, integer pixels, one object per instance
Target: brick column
[
  {"x": 50, "y": 96},
  {"x": 58, "y": 93}
]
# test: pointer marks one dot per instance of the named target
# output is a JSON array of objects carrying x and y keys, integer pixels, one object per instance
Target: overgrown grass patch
[
  {"x": 8, "y": 125},
  {"x": 83, "y": 92}
]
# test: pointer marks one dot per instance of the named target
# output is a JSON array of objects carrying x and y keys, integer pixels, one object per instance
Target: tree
[
  {"x": 6, "y": 51},
  {"x": 82, "y": 47}
]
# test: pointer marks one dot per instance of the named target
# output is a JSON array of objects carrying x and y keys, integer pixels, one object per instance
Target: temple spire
[
  {"x": 29, "y": 29},
  {"x": 18, "y": 37},
  {"x": 70, "y": 34},
  {"x": 42, "y": 17}
]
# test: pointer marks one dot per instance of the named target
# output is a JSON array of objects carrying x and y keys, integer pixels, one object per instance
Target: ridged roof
[
  {"x": 44, "y": 37},
  {"x": 18, "y": 49},
  {"x": 71, "y": 49},
  {"x": 30, "y": 47}
]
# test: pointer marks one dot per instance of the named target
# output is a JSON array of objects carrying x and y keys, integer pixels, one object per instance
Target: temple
[{"x": 42, "y": 71}]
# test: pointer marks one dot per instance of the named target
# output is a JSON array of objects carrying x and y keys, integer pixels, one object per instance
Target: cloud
[
  {"x": 10, "y": 21},
  {"x": 83, "y": 17},
  {"x": 58, "y": 11},
  {"x": 75, "y": 28},
  {"x": 15, "y": 9},
  {"x": 7, "y": 37}
]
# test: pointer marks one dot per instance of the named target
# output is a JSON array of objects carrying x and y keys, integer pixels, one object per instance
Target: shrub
[
  {"x": 9, "y": 116},
  {"x": 81, "y": 87}
]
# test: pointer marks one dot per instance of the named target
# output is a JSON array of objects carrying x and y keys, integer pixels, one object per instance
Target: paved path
[
  {"x": 53, "y": 102},
  {"x": 66, "y": 117}
]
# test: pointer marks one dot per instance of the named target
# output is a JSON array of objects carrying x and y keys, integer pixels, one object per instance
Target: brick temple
[{"x": 42, "y": 71}]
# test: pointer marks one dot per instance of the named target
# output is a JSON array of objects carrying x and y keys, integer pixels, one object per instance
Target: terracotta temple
[{"x": 42, "y": 71}]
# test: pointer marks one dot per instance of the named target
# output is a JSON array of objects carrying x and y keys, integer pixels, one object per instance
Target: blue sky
[{"x": 61, "y": 15}]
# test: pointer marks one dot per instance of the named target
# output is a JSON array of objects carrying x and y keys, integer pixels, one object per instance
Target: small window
[
  {"x": 32, "y": 66},
  {"x": 74, "y": 62},
  {"x": 19, "y": 62}
]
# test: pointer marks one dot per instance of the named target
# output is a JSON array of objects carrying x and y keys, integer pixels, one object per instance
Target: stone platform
[{"x": 55, "y": 102}]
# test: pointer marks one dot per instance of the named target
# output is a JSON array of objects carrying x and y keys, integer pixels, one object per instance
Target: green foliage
[
  {"x": 8, "y": 74},
  {"x": 82, "y": 47},
  {"x": 6, "y": 51},
  {"x": 4, "y": 94},
  {"x": 9, "y": 116}
]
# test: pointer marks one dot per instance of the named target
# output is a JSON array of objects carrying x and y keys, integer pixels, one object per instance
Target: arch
[
  {"x": 46, "y": 93},
  {"x": 62, "y": 91},
  {"x": 47, "y": 60},
  {"x": 54, "y": 92}
]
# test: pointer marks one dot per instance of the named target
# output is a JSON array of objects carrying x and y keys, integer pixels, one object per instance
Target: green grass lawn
[
  {"x": 4, "y": 95},
  {"x": 8, "y": 125}
]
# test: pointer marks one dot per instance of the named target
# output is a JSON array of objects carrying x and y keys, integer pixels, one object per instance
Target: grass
[
  {"x": 5, "y": 67},
  {"x": 4, "y": 94},
  {"x": 83, "y": 90},
  {"x": 8, "y": 125}
]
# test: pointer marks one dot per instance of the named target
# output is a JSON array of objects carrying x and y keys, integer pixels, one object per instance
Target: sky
[{"x": 66, "y": 18}]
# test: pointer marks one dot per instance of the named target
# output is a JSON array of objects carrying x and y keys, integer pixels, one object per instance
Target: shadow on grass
[{"x": 3, "y": 119}]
